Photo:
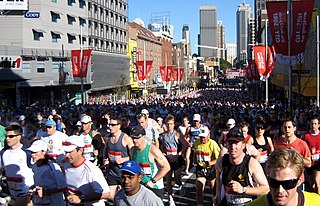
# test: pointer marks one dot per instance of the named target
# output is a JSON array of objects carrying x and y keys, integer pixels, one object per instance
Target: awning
[
  {"x": 57, "y": 32},
  {"x": 39, "y": 30},
  {"x": 73, "y": 16},
  {"x": 56, "y": 12},
  {"x": 72, "y": 34}
]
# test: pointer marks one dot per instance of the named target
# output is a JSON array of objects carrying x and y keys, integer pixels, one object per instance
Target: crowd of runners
[{"x": 132, "y": 152}]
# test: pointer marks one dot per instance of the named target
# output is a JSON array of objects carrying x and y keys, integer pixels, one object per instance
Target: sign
[
  {"x": 8, "y": 62},
  {"x": 14, "y": 4},
  {"x": 31, "y": 15},
  {"x": 302, "y": 71}
]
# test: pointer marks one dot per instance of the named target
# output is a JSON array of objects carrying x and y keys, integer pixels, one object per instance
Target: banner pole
[
  {"x": 318, "y": 62},
  {"x": 266, "y": 44},
  {"x": 289, "y": 53},
  {"x": 81, "y": 88}
]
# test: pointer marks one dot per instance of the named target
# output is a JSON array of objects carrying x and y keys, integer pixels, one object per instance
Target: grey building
[
  {"x": 35, "y": 49},
  {"x": 208, "y": 31},
  {"x": 221, "y": 41},
  {"x": 242, "y": 21},
  {"x": 186, "y": 37}
]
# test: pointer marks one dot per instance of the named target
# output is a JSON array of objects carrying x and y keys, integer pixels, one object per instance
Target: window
[
  {"x": 26, "y": 67},
  {"x": 55, "y": 16},
  {"x": 82, "y": 21},
  {"x": 71, "y": 37},
  {"x": 37, "y": 35},
  {"x": 70, "y": 2},
  {"x": 55, "y": 67},
  {"x": 41, "y": 67},
  {"x": 55, "y": 37},
  {"x": 71, "y": 19},
  {"x": 54, "y": 1},
  {"x": 82, "y": 4}
]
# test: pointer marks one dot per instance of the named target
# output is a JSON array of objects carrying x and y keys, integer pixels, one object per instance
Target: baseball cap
[
  {"x": 196, "y": 117},
  {"x": 204, "y": 132},
  {"x": 132, "y": 167},
  {"x": 231, "y": 121},
  {"x": 159, "y": 119},
  {"x": 50, "y": 123},
  {"x": 72, "y": 142},
  {"x": 21, "y": 118},
  {"x": 137, "y": 132},
  {"x": 78, "y": 123},
  {"x": 86, "y": 119},
  {"x": 144, "y": 111},
  {"x": 38, "y": 145},
  {"x": 235, "y": 134}
]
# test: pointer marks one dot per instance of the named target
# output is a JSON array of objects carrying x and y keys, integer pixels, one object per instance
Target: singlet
[
  {"x": 204, "y": 152},
  {"x": 115, "y": 151},
  {"x": 170, "y": 144},
  {"x": 194, "y": 133},
  {"x": 313, "y": 141},
  {"x": 149, "y": 168},
  {"x": 59, "y": 127},
  {"x": 88, "y": 147},
  {"x": 239, "y": 173},
  {"x": 264, "y": 149}
]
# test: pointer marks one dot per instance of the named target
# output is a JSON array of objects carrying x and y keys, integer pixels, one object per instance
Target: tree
[{"x": 121, "y": 86}]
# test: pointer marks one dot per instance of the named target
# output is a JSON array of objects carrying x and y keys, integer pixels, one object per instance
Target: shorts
[
  {"x": 113, "y": 180},
  {"x": 177, "y": 164},
  {"x": 208, "y": 173}
]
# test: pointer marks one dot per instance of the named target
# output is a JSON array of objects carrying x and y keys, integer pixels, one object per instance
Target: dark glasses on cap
[
  {"x": 259, "y": 127},
  {"x": 286, "y": 184}
]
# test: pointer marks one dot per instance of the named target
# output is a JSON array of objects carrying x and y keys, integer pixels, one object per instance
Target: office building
[{"x": 221, "y": 40}]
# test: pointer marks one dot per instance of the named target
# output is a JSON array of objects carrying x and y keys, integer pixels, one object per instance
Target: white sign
[{"x": 13, "y": 4}]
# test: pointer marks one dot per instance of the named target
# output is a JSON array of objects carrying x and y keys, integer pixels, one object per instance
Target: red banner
[
  {"x": 178, "y": 74},
  {"x": 142, "y": 74},
  {"x": 253, "y": 70},
  {"x": 163, "y": 72},
  {"x": 140, "y": 70},
  {"x": 80, "y": 65},
  {"x": 302, "y": 13},
  {"x": 271, "y": 61},
  {"x": 75, "y": 59},
  {"x": 169, "y": 73},
  {"x": 260, "y": 58},
  {"x": 277, "y": 15}
]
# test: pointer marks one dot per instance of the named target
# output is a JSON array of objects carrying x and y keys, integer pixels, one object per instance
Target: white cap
[
  {"x": 21, "y": 118},
  {"x": 78, "y": 123},
  {"x": 231, "y": 121},
  {"x": 144, "y": 111},
  {"x": 159, "y": 119},
  {"x": 196, "y": 117},
  {"x": 204, "y": 132},
  {"x": 38, "y": 145},
  {"x": 72, "y": 142},
  {"x": 86, "y": 119}
]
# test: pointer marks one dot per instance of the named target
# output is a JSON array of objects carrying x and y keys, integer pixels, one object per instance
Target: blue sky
[{"x": 187, "y": 12}]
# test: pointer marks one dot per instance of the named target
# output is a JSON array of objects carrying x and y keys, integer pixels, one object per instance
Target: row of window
[
  {"x": 70, "y": 18},
  {"x": 82, "y": 3},
  {"x": 41, "y": 68}
]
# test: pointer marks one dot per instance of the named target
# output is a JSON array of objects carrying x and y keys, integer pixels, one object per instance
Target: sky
[{"x": 187, "y": 12}]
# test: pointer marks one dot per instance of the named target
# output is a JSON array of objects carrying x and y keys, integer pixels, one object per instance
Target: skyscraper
[
  {"x": 244, "y": 13},
  {"x": 208, "y": 31},
  {"x": 186, "y": 37},
  {"x": 221, "y": 40}
]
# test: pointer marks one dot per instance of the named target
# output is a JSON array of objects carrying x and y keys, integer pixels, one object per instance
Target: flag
[
  {"x": 86, "y": 55},
  {"x": 75, "y": 59},
  {"x": 260, "y": 59},
  {"x": 140, "y": 70}
]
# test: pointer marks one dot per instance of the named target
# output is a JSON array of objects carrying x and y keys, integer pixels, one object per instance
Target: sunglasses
[
  {"x": 259, "y": 127},
  {"x": 12, "y": 136},
  {"x": 112, "y": 125},
  {"x": 286, "y": 184},
  {"x": 48, "y": 127}
]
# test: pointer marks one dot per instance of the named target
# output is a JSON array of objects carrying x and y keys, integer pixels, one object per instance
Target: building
[
  {"x": 221, "y": 40},
  {"x": 231, "y": 52},
  {"x": 143, "y": 46},
  {"x": 242, "y": 20},
  {"x": 208, "y": 31},
  {"x": 38, "y": 43},
  {"x": 186, "y": 38},
  {"x": 260, "y": 18}
]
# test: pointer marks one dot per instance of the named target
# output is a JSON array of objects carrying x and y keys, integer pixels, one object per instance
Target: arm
[
  {"x": 270, "y": 144},
  {"x": 161, "y": 161},
  {"x": 128, "y": 143},
  {"x": 250, "y": 141},
  {"x": 218, "y": 180}
]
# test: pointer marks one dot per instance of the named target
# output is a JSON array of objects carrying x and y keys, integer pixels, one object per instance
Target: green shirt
[{"x": 2, "y": 135}]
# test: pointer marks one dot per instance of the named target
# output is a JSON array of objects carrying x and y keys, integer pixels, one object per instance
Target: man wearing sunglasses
[
  {"x": 16, "y": 163},
  {"x": 285, "y": 170}
]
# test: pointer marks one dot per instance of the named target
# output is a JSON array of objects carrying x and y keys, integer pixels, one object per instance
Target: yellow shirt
[{"x": 206, "y": 152}]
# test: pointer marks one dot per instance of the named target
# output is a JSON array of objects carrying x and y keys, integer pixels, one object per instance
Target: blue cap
[
  {"x": 132, "y": 167},
  {"x": 50, "y": 123}
]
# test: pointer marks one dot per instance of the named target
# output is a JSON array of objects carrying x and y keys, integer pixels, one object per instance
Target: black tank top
[
  {"x": 115, "y": 151},
  {"x": 264, "y": 147}
]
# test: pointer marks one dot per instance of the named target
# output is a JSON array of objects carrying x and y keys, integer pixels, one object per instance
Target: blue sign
[{"x": 32, "y": 15}]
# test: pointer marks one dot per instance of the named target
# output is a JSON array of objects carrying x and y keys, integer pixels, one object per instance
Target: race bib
[
  {"x": 15, "y": 183},
  {"x": 146, "y": 168},
  {"x": 171, "y": 151},
  {"x": 203, "y": 156},
  {"x": 114, "y": 155}
]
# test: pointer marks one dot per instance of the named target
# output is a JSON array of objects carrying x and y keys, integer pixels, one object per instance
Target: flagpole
[
  {"x": 318, "y": 62},
  {"x": 267, "y": 77},
  {"x": 82, "y": 98},
  {"x": 144, "y": 68},
  {"x": 178, "y": 71},
  {"x": 289, "y": 53}
]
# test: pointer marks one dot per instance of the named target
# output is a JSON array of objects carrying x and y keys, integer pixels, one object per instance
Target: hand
[
  {"x": 236, "y": 186},
  {"x": 119, "y": 160},
  {"x": 150, "y": 184},
  {"x": 39, "y": 191},
  {"x": 73, "y": 198},
  {"x": 106, "y": 161}
]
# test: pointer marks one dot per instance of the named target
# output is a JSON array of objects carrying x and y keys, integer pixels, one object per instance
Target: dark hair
[
  {"x": 14, "y": 127},
  {"x": 289, "y": 120}
]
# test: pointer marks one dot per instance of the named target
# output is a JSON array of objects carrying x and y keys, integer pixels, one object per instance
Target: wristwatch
[
  {"x": 244, "y": 190},
  {"x": 153, "y": 181}
]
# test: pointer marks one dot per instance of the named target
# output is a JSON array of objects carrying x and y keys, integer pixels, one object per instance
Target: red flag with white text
[
  {"x": 260, "y": 58},
  {"x": 76, "y": 64},
  {"x": 149, "y": 67},
  {"x": 163, "y": 72},
  {"x": 169, "y": 73},
  {"x": 271, "y": 61},
  {"x": 86, "y": 55},
  {"x": 140, "y": 70}
]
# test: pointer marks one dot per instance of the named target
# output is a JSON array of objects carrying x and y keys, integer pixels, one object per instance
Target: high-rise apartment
[
  {"x": 221, "y": 40},
  {"x": 244, "y": 13},
  {"x": 186, "y": 37},
  {"x": 208, "y": 31},
  {"x": 38, "y": 43}
]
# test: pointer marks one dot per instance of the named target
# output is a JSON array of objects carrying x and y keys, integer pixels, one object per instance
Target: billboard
[{"x": 14, "y": 4}]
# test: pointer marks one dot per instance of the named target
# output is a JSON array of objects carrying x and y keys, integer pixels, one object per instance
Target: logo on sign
[{"x": 30, "y": 14}]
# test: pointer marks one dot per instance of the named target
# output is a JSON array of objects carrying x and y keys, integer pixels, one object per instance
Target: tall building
[
  {"x": 231, "y": 52},
  {"x": 186, "y": 37},
  {"x": 260, "y": 17},
  {"x": 221, "y": 40},
  {"x": 243, "y": 15},
  {"x": 39, "y": 44},
  {"x": 208, "y": 31}
]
